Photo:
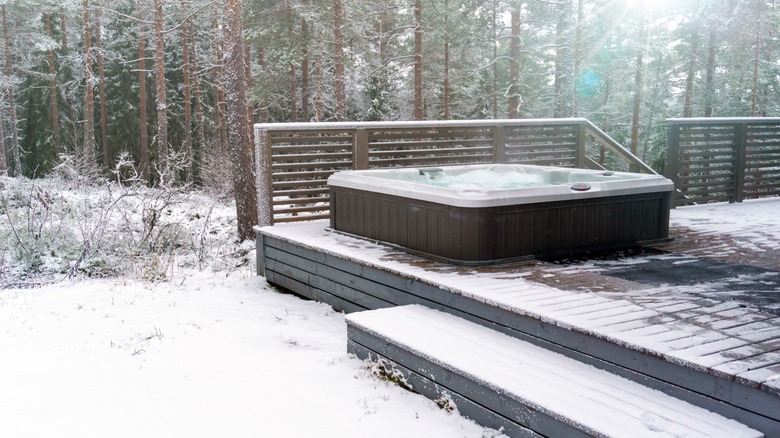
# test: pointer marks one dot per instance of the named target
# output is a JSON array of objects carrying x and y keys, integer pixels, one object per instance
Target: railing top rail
[
  {"x": 720, "y": 120},
  {"x": 618, "y": 148},
  {"x": 413, "y": 124}
]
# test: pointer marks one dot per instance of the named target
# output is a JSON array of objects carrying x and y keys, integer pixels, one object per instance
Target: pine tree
[{"x": 241, "y": 155}]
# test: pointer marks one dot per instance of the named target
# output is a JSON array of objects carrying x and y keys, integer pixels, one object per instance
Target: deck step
[{"x": 523, "y": 389}]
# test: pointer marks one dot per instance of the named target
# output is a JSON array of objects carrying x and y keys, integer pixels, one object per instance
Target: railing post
[
  {"x": 672, "y": 167},
  {"x": 582, "y": 137},
  {"x": 741, "y": 153},
  {"x": 360, "y": 149},
  {"x": 499, "y": 144},
  {"x": 263, "y": 179}
]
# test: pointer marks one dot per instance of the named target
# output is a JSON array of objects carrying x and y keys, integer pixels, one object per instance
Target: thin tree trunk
[
  {"x": 87, "y": 157},
  {"x": 769, "y": 58},
  {"x": 318, "y": 96},
  {"x": 606, "y": 122},
  {"x": 514, "y": 64},
  {"x": 447, "y": 115},
  {"x": 688, "y": 99},
  {"x": 564, "y": 62},
  {"x": 250, "y": 107},
  {"x": 241, "y": 150},
  {"x": 72, "y": 118},
  {"x": 143, "y": 127},
  {"x": 418, "y": 41},
  {"x": 187, "y": 141},
  {"x": 709, "y": 84},
  {"x": 162, "y": 98},
  {"x": 578, "y": 51},
  {"x": 196, "y": 86},
  {"x": 305, "y": 71},
  {"x": 102, "y": 93},
  {"x": 756, "y": 62},
  {"x": 55, "y": 117},
  {"x": 338, "y": 37},
  {"x": 3, "y": 160},
  {"x": 638, "y": 87},
  {"x": 221, "y": 100},
  {"x": 293, "y": 94},
  {"x": 9, "y": 71},
  {"x": 494, "y": 43}
]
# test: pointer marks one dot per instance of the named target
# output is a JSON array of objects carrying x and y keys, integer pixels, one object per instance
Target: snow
[
  {"x": 202, "y": 356},
  {"x": 751, "y": 223},
  {"x": 597, "y": 401},
  {"x": 185, "y": 341}
]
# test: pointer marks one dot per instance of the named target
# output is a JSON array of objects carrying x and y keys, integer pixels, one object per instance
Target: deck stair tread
[{"x": 556, "y": 387}]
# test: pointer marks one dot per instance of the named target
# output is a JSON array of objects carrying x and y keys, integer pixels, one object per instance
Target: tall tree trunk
[
  {"x": 578, "y": 51},
  {"x": 250, "y": 107},
  {"x": 71, "y": 119},
  {"x": 446, "y": 61},
  {"x": 691, "y": 76},
  {"x": 305, "y": 72},
  {"x": 418, "y": 41},
  {"x": 564, "y": 62},
  {"x": 318, "y": 95},
  {"x": 102, "y": 92},
  {"x": 709, "y": 84},
  {"x": 143, "y": 128},
  {"x": 494, "y": 43},
  {"x": 162, "y": 98},
  {"x": 293, "y": 94},
  {"x": 201, "y": 120},
  {"x": 3, "y": 159},
  {"x": 219, "y": 95},
  {"x": 514, "y": 64},
  {"x": 641, "y": 40},
  {"x": 87, "y": 156},
  {"x": 55, "y": 117},
  {"x": 187, "y": 141},
  {"x": 9, "y": 72},
  {"x": 338, "y": 37},
  {"x": 241, "y": 150},
  {"x": 769, "y": 59},
  {"x": 756, "y": 62}
]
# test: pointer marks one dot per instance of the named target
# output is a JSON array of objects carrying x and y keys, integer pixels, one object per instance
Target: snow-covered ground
[
  {"x": 203, "y": 356},
  {"x": 182, "y": 339},
  {"x": 188, "y": 343}
]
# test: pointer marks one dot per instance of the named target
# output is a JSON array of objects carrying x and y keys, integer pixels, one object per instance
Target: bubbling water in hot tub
[{"x": 498, "y": 177}]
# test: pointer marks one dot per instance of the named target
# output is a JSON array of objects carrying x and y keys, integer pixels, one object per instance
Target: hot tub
[{"x": 489, "y": 213}]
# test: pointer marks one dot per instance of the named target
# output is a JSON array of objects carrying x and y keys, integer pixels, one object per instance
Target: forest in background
[{"x": 147, "y": 84}]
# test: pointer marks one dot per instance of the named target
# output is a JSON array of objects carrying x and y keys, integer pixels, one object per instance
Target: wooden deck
[{"x": 697, "y": 334}]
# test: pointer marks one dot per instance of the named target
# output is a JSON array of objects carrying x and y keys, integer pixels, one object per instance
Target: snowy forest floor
[
  {"x": 179, "y": 337},
  {"x": 128, "y": 311}
]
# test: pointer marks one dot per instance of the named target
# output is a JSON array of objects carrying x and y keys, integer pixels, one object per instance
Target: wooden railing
[
  {"x": 294, "y": 160},
  {"x": 723, "y": 159}
]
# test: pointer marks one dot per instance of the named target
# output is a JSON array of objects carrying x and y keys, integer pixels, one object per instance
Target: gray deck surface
[{"x": 696, "y": 318}]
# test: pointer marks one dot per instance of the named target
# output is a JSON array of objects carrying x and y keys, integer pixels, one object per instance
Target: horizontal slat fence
[
  {"x": 295, "y": 160},
  {"x": 723, "y": 159}
]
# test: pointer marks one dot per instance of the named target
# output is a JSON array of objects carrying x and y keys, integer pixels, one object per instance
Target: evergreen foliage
[{"x": 713, "y": 58}]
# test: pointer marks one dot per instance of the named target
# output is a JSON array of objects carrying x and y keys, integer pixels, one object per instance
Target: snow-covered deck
[{"x": 698, "y": 318}]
